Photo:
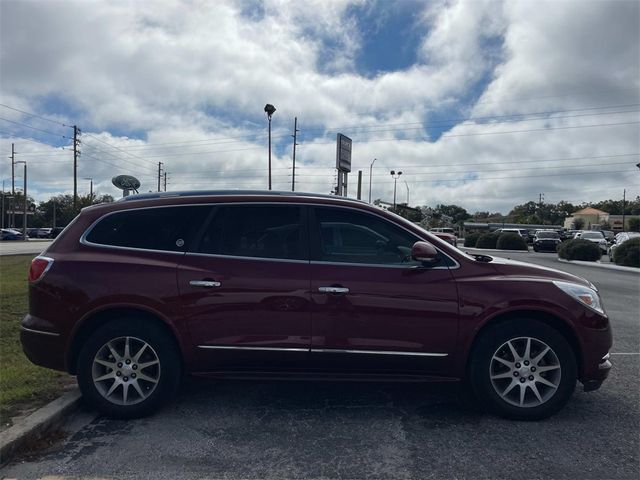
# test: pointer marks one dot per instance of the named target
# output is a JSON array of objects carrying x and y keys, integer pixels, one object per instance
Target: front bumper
[{"x": 605, "y": 367}]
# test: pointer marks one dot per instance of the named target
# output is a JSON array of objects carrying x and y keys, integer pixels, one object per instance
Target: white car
[
  {"x": 594, "y": 236},
  {"x": 620, "y": 239}
]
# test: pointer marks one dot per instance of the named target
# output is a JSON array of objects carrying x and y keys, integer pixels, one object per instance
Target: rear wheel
[
  {"x": 128, "y": 368},
  {"x": 523, "y": 369}
]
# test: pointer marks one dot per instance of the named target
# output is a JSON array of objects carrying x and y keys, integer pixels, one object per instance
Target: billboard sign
[{"x": 343, "y": 153}]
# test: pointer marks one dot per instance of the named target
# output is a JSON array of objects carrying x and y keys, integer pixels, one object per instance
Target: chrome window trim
[
  {"x": 322, "y": 350},
  {"x": 239, "y": 257},
  {"x": 83, "y": 238},
  {"x": 385, "y": 265},
  {"x": 40, "y": 332}
]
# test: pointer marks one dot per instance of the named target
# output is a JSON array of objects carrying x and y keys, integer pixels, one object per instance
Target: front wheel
[
  {"x": 128, "y": 368},
  {"x": 523, "y": 369}
]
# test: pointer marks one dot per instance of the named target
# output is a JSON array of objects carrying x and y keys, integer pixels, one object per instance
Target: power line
[
  {"x": 35, "y": 128},
  {"x": 35, "y": 115}
]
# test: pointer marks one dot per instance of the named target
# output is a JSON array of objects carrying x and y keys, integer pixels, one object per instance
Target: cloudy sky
[{"x": 485, "y": 104}]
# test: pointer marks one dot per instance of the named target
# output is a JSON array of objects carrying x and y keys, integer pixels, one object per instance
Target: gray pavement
[
  {"x": 231, "y": 429},
  {"x": 22, "y": 248}
]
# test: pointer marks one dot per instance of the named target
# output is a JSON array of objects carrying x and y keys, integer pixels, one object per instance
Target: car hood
[{"x": 521, "y": 269}]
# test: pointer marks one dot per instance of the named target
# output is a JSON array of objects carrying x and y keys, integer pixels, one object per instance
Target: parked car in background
[
  {"x": 619, "y": 240},
  {"x": 38, "y": 232},
  {"x": 520, "y": 231},
  {"x": 447, "y": 237},
  {"x": 295, "y": 285},
  {"x": 448, "y": 230},
  {"x": 10, "y": 234},
  {"x": 55, "y": 231},
  {"x": 546, "y": 240},
  {"x": 595, "y": 236}
]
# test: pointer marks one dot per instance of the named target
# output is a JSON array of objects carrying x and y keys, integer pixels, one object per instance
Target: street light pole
[
  {"x": 407, "y": 185},
  {"x": 395, "y": 181},
  {"x": 269, "y": 110},
  {"x": 371, "y": 175},
  {"x": 24, "y": 201}
]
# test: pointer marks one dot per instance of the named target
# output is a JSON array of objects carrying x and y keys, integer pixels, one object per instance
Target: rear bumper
[{"x": 42, "y": 346}]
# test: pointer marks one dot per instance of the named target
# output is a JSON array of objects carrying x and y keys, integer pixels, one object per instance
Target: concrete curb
[
  {"x": 612, "y": 266},
  {"x": 37, "y": 424}
]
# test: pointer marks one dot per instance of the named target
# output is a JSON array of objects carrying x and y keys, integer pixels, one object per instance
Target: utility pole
[
  {"x": 624, "y": 201},
  {"x": 13, "y": 186},
  {"x": 2, "y": 204},
  {"x": 76, "y": 154},
  {"x": 540, "y": 200},
  {"x": 407, "y": 185},
  {"x": 54, "y": 212},
  {"x": 24, "y": 206},
  {"x": 159, "y": 174},
  {"x": 295, "y": 137},
  {"x": 165, "y": 181},
  {"x": 359, "y": 184}
]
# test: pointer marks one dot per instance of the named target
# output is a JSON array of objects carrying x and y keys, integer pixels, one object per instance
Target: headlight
[{"x": 585, "y": 295}]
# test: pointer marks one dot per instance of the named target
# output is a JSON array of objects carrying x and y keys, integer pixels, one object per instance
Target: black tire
[
  {"x": 516, "y": 331},
  {"x": 167, "y": 372}
]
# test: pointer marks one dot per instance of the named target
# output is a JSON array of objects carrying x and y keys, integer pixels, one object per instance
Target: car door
[
  {"x": 245, "y": 289},
  {"x": 374, "y": 309}
]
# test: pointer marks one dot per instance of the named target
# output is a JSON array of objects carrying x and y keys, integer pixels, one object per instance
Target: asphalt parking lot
[{"x": 231, "y": 429}]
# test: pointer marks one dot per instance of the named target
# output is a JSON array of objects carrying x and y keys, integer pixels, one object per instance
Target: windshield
[
  {"x": 592, "y": 235},
  {"x": 547, "y": 235}
]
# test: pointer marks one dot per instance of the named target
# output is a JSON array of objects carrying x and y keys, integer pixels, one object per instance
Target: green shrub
[
  {"x": 628, "y": 254},
  {"x": 578, "y": 249},
  {"x": 470, "y": 239},
  {"x": 487, "y": 240},
  {"x": 511, "y": 241}
]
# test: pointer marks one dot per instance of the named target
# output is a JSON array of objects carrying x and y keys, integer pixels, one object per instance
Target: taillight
[{"x": 39, "y": 266}]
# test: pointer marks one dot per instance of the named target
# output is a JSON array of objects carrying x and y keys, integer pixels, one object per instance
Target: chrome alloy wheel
[
  {"x": 126, "y": 370},
  {"x": 525, "y": 372}
]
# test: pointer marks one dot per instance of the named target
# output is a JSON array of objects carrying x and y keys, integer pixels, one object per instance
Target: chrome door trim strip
[
  {"x": 379, "y": 352},
  {"x": 322, "y": 350},
  {"x": 40, "y": 332},
  {"x": 266, "y": 349}
]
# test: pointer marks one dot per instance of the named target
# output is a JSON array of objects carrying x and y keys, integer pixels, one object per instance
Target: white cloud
[{"x": 201, "y": 72}]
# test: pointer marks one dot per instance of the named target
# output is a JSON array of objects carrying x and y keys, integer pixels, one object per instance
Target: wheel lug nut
[
  {"x": 526, "y": 362},
  {"x": 530, "y": 377},
  {"x": 119, "y": 364},
  {"x": 127, "y": 361},
  {"x": 133, "y": 375},
  {"x": 135, "y": 367},
  {"x": 118, "y": 373},
  {"x": 518, "y": 365},
  {"x": 522, "y": 379},
  {"x": 515, "y": 374},
  {"x": 126, "y": 379},
  {"x": 533, "y": 369}
]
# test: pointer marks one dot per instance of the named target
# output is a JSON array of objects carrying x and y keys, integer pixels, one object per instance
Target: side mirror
[{"x": 424, "y": 252}]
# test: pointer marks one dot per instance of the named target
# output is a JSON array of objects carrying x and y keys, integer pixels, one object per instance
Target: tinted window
[
  {"x": 349, "y": 236},
  {"x": 262, "y": 231},
  {"x": 165, "y": 228},
  {"x": 593, "y": 235},
  {"x": 547, "y": 235}
]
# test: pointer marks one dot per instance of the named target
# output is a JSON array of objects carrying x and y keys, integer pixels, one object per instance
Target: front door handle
[
  {"x": 204, "y": 283},
  {"x": 338, "y": 290}
]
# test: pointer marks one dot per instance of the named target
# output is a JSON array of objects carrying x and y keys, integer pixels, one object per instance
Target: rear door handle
[
  {"x": 338, "y": 290},
  {"x": 204, "y": 283}
]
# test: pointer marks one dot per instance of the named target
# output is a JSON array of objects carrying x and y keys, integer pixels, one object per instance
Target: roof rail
[{"x": 218, "y": 193}]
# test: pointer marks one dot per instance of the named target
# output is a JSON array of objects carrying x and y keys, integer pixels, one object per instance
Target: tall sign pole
[
  {"x": 13, "y": 187},
  {"x": 295, "y": 136},
  {"x": 76, "y": 154},
  {"x": 343, "y": 162}
]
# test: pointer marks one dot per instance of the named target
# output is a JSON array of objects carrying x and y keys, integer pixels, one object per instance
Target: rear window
[
  {"x": 260, "y": 231},
  {"x": 547, "y": 235},
  {"x": 166, "y": 228}
]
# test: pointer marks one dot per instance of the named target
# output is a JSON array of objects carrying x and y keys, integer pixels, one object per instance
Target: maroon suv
[{"x": 280, "y": 285}]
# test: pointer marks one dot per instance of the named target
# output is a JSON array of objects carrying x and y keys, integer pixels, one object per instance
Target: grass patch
[{"x": 23, "y": 385}]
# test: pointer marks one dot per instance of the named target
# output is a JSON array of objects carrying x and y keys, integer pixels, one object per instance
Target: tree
[
  {"x": 64, "y": 212},
  {"x": 458, "y": 214},
  {"x": 634, "y": 224},
  {"x": 578, "y": 223}
]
